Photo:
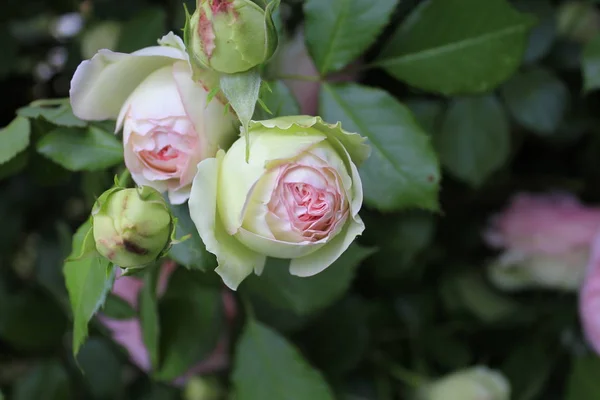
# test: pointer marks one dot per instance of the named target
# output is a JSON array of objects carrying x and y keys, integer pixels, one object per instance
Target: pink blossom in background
[
  {"x": 128, "y": 332},
  {"x": 589, "y": 298},
  {"x": 545, "y": 239},
  {"x": 293, "y": 59}
]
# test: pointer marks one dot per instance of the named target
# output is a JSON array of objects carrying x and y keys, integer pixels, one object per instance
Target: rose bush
[
  {"x": 545, "y": 241},
  {"x": 297, "y": 198},
  {"x": 168, "y": 123}
]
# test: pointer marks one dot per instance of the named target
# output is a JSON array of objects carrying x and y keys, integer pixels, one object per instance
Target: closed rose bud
[
  {"x": 578, "y": 21},
  {"x": 297, "y": 197},
  {"x": 231, "y": 36},
  {"x": 132, "y": 227},
  {"x": 476, "y": 383},
  {"x": 545, "y": 242},
  {"x": 162, "y": 105}
]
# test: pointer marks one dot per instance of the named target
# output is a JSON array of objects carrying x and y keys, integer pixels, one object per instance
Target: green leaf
[
  {"x": 583, "y": 380},
  {"x": 117, "y": 308},
  {"x": 338, "y": 31},
  {"x": 14, "y": 138},
  {"x": 400, "y": 239},
  {"x": 403, "y": 170},
  {"x": 142, "y": 30},
  {"x": 149, "y": 315},
  {"x": 101, "y": 368},
  {"x": 242, "y": 91},
  {"x": 88, "y": 282},
  {"x": 306, "y": 295},
  {"x": 190, "y": 253},
  {"x": 540, "y": 357},
  {"x": 428, "y": 113},
  {"x": 56, "y": 111},
  {"x": 9, "y": 50},
  {"x": 543, "y": 35},
  {"x": 81, "y": 150},
  {"x": 337, "y": 341},
  {"x": 267, "y": 366},
  {"x": 457, "y": 46},
  {"x": 479, "y": 299},
  {"x": 591, "y": 65},
  {"x": 280, "y": 101},
  {"x": 47, "y": 380},
  {"x": 537, "y": 99},
  {"x": 15, "y": 165},
  {"x": 191, "y": 320},
  {"x": 31, "y": 321},
  {"x": 474, "y": 140}
]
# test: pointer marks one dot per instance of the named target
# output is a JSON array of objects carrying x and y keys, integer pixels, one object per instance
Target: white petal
[
  {"x": 275, "y": 248},
  {"x": 217, "y": 129},
  {"x": 235, "y": 260},
  {"x": 316, "y": 262},
  {"x": 101, "y": 85}
]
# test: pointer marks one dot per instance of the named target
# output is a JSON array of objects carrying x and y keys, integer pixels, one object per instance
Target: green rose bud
[
  {"x": 470, "y": 384},
  {"x": 578, "y": 21},
  {"x": 132, "y": 227},
  {"x": 231, "y": 36}
]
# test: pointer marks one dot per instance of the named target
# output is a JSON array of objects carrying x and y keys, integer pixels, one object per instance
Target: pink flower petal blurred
[
  {"x": 128, "y": 332},
  {"x": 589, "y": 298},
  {"x": 549, "y": 224}
]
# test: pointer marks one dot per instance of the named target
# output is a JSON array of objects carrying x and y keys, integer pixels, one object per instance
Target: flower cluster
[{"x": 290, "y": 189}]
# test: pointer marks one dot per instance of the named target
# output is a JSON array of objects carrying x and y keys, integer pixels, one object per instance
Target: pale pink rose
[
  {"x": 545, "y": 241},
  {"x": 296, "y": 197},
  {"x": 589, "y": 298},
  {"x": 128, "y": 332},
  {"x": 293, "y": 59},
  {"x": 168, "y": 123}
]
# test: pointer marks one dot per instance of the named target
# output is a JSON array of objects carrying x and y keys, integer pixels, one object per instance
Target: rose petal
[
  {"x": 235, "y": 260},
  {"x": 100, "y": 86},
  {"x": 316, "y": 262}
]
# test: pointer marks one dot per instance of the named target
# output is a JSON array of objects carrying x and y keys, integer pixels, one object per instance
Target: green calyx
[
  {"x": 231, "y": 36},
  {"x": 132, "y": 227}
]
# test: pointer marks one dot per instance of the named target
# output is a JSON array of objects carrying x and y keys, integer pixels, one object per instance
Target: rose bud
[
  {"x": 545, "y": 241},
  {"x": 474, "y": 383},
  {"x": 132, "y": 227},
  {"x": 297, "y": 197},
  {"x": 231, "y": 36},
  {"x": 578, "y": 21},
  {"x": 168, "y": 123}
]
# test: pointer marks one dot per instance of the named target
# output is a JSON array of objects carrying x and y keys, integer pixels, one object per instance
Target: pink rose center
[
  {"x": 164, "y": 159},
  {"x": 312, "y": 208}
]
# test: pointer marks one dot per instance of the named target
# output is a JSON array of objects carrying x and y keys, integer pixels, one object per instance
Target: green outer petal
[
  {"x": 357, "y": 198},
  {"x": 354, "y": 143},
  {"x": 235, "y": 260},
  {"x": 100, "y": 86},
  {"x": 316, "y": 262},
  {"x": 237, "y": 178},
  {"x": 276, "y": 248}
]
